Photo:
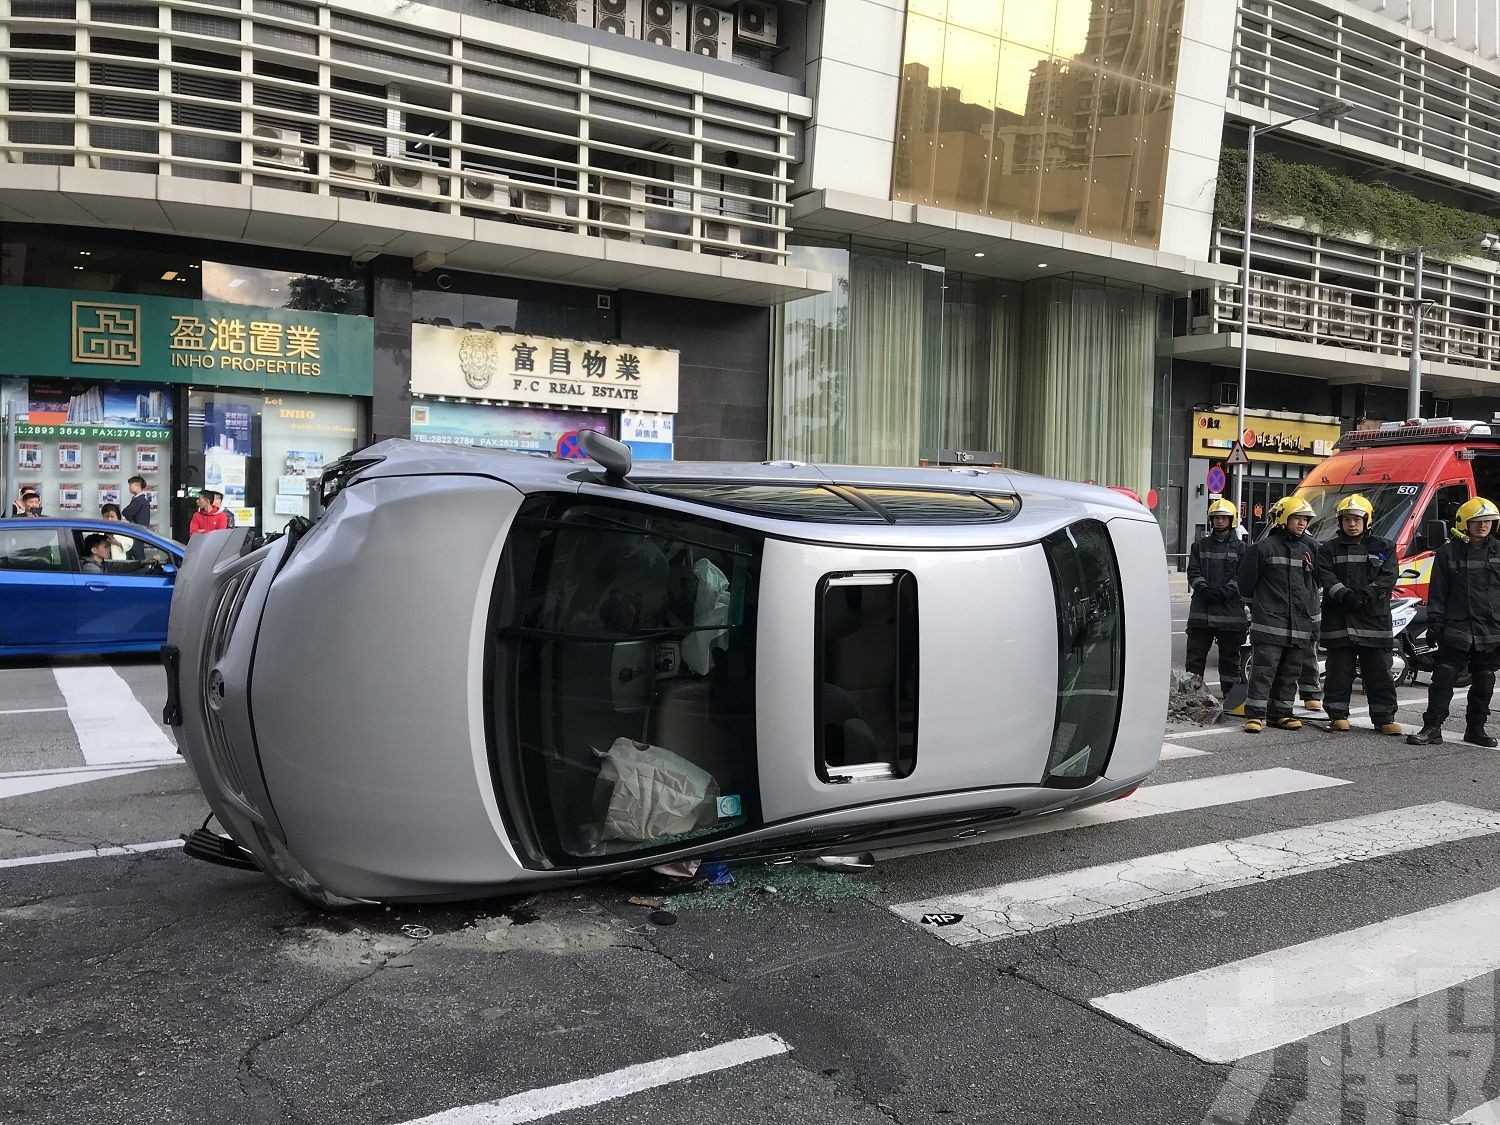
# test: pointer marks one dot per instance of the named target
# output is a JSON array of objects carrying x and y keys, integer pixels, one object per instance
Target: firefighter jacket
[
  {"x": 1463, "y": 602},
  {"x": 1357, "y": 576},
  {"x": 1279, "y": 578},
  {"x": 1212, "y": 570}
]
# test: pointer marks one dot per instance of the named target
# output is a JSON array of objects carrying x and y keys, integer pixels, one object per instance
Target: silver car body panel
[{"x": 353, "y": 681}]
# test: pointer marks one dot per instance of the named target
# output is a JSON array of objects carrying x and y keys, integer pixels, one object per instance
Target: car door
[
  {"x": 38, "y": 588},
  {"x": 125, "y": 604}
]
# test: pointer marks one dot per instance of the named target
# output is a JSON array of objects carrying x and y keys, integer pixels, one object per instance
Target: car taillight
[{"x": 1122, "y": 796}]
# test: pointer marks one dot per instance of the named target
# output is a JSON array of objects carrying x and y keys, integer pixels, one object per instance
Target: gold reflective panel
[{"x": 1054, "y": 112}]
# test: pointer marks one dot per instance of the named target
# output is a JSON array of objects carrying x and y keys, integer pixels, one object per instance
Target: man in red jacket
[{"x": 209, "y": 516}]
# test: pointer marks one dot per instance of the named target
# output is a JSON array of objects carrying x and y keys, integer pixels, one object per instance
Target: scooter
[{"x": 1413, "y": 653}]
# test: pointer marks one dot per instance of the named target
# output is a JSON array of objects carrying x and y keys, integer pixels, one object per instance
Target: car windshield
[{"x": 1393, "y": 504}]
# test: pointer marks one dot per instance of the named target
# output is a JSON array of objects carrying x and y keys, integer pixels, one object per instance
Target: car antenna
[{"x": 610, "y": 455}]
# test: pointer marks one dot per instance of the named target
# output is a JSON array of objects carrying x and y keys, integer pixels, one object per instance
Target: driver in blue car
[{"x": 1357, "y": 571}]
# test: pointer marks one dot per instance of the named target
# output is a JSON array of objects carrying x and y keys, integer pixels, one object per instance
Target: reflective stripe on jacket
[
  {"x": 1279, "y": 578},
  {"x": 1213, "y": 565},
  {"x": 1368, "y": 564},
  {"x": 1463, "y": 602}
]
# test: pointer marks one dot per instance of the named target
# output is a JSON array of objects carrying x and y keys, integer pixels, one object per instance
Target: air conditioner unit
[
  {"x": 722, "y": 230},
  {"x": 623, "y": 207},
  {"x": 542, "y": 206},
  {"x": 619, "y": 17},
  {"x": 487, "y": 191},
  {"x": 755, "y": 22},
  {"x": 711, "y": 32},
  {"x": 275, "y": 147},
  {"x": 347, "y": 161},
  {"x": 665, "y": 23},
  {"x": 414, "y": 179}
]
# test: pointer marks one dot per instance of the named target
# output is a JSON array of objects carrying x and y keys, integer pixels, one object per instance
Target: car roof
[{"x": 88, "y": 523}]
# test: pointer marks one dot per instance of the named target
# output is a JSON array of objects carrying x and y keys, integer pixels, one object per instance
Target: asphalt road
[{"x": 1278, "y": 928}]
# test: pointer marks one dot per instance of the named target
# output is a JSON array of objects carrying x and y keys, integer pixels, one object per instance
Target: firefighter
[
  {"x": 1357, "y": 570},
  {"x": 1279, "y": 577},
  {"x": 1463, "y": 620},
  {"x": 1217, "y": 613}
]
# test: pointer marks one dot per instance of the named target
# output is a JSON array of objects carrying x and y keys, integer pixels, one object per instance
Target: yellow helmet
[
  {"x": 1356, "y": 504},
  {"x": 1222, "y": 507},
  {"x": 1476, "y": 509},
  {"x": 1287, "y": 507}
]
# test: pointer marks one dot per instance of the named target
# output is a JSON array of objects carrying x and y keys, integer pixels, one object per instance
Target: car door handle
[{"x": 97, "y": 587}]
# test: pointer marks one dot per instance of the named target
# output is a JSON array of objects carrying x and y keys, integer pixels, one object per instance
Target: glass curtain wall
[
  {"x": 1089, "y": 351},
  {"x": 1059, "y": 375}
]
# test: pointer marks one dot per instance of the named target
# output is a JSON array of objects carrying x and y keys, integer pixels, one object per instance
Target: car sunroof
[{"x": 845, "y": 503}]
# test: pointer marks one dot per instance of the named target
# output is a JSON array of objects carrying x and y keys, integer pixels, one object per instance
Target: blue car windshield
[{"x": 1393, "y": 504}]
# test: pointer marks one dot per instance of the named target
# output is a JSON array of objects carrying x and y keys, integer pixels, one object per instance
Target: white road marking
[
  {"x": 91, "y": 853},
  {"x": 1148, "y": 800},
  {"x": 1486, "y": 1114},
  {"x": 550, "y": 1100},
  {"x": 32, "y": 710},
  {"x": 996, "y": 913},
  {"x": 17, "y": 784},
  {"x": 1170, "y": 750},
  {"x": 1229, "y": 1012},
  {"x": 111, "y": 725}
]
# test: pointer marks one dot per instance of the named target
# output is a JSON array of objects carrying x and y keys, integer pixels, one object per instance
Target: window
[
  {"x": 915, "y": 505},
  {"x": 867, "y": 676},
  {"x": 625, "y": 667},
  {"x": 1091, "y": 652},
  {"x": 1443, "y": 507},
  {"x": 778, "y": 501},
  {"x": 37, "y": 548},
  {"x": 1393, "y": 504},
  {"x": 128, "y": 554}
]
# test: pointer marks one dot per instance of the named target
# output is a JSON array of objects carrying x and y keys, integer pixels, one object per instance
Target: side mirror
[
  {"x": 1435, "y": 533},
  {"x": 169, "y": 571},
  {"x": 610, "y": 455}
]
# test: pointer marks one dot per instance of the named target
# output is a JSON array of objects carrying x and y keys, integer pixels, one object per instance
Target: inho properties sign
[{"x": 71, "y": 334}]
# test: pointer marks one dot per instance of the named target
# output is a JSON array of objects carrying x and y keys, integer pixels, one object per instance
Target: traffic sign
[
  {"x": 568, "y": 448},
  {"x": 1216, "y": 480},
  {"x": 1237, "y": 456}
]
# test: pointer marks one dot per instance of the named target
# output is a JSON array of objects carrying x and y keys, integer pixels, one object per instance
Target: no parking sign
[{"x": 1215, "y": 480}]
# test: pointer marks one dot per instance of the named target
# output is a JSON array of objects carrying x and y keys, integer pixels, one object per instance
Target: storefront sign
[
  {"x": 66, "y": 333},
  {"x": 649, "y": 436},
  {"x": 1298, "y": 441},
  {"x": 512, "y": 367},
  {"x": 501, "y": 427}
]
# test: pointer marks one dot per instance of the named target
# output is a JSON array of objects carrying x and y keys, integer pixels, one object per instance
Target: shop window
[
  {"x": 630, "y": 636},
  {"x": 867, "y": 676},
  {"x": 30, "y": 548},
  {"x": 283, "y": 289}
]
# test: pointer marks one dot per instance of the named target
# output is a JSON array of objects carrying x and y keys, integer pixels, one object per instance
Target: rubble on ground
[{"x": 1190, "y": 702}]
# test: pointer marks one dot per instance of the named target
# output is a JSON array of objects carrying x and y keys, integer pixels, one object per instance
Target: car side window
[
  {"x": 38, "y": 548},
  {"x": 1442, "y": 507},
  {"x": 128, "y": 554}
]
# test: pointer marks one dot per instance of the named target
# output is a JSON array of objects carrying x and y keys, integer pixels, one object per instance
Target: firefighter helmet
[
  {"x": 1355, "y": 505},
  {"x": 1476, "y": 509},
  {"x": 1287, "y": 507},
  {"x": 1222, "y": 507}
]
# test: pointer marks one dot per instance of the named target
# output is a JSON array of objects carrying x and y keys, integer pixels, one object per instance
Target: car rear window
[{"x": 840, "y": 503}]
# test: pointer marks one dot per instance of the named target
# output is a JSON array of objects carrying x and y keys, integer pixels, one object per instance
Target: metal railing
[{"x": 340, "y": 99}]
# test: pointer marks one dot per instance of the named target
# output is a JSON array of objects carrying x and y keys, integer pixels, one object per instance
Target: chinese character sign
[{"x": 513, "y": 367}]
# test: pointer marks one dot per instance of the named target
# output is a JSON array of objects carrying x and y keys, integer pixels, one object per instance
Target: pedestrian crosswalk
[{"x": 1227, "y": 1009}]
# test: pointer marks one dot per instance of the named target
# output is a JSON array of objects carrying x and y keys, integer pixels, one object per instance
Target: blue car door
[
  {"x": 124, "y": 602},
  {"x": 38, "y": 588}
]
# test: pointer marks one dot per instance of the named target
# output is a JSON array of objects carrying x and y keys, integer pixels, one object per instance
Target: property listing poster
[
  {"x": 68, "y": 431},
  {"x": 228, "y": 437}
]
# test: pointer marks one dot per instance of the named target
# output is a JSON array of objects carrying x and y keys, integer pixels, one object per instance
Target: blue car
[{"x": 66, "y": 591}]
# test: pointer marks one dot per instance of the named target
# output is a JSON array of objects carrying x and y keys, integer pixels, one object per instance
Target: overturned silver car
[{"x": 480, "y": 671}]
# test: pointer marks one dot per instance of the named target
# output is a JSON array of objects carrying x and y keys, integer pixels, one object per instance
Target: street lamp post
[
  {"x": 1337, "y": 109},
  {"x": 1414, "y": 372}
]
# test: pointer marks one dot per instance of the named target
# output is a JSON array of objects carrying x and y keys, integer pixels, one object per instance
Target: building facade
[{"x": 870, "y": 231}]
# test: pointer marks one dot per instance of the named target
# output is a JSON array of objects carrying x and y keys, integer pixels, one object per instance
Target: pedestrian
[
  {"x": 1217, "y": 612},
  {"x": 138, "y": 511},
  {"x": 209, "y": 516},
  {"x": 28, "y": 505},
  {"x": 1357, "y": 570},
  {"x": 1463, "y": 619},
  {"x": 1279, "y": 577}
]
